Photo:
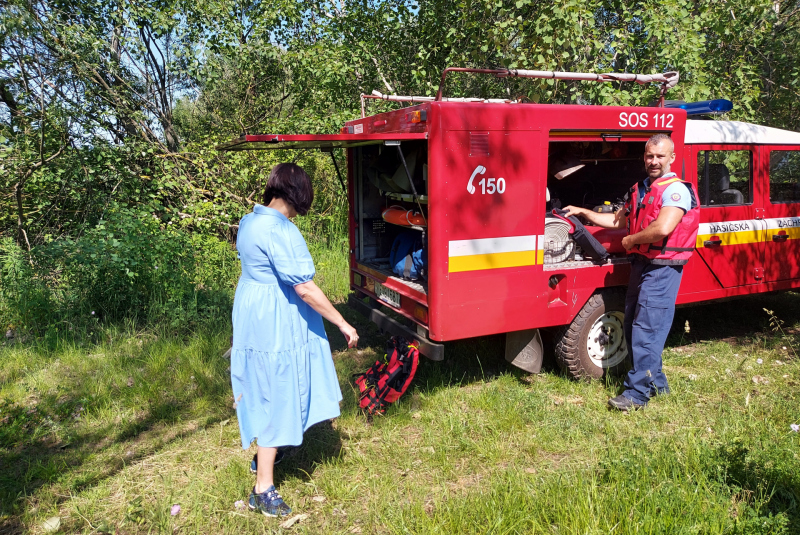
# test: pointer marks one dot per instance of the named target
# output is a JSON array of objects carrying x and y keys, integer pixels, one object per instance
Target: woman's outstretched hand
[{"x": 350, "y": 334}]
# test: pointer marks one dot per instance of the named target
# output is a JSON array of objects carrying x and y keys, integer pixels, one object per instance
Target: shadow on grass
[
  {"x": 43, "y": 443},
  {"x": 466, "y": 361},
  {"x": 476, "y": 360},
  {"x": 34, "y": 464},
  {"x": 369, "y": 336},
  {"x": 29, "y": 461},
  {"x": 482, "y": 359},
  {"x": 322, "y": 442}
]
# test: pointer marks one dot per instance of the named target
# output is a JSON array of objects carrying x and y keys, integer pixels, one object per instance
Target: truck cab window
[
  {"x": 724, "y": 177},
  {"x": 784, "y": 176}
]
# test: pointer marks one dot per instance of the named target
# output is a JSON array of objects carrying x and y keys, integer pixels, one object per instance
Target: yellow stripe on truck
[
  {"x": 792, "y": 233},
  {"x": 494, "y": 253},
  {"x": 790, "y": 226},
  {"x": 494, "y": 261},
  {"x": 743, "y": 232},
  {"x": 731, "y": 232},
  {"x": 732, "y": 238}
]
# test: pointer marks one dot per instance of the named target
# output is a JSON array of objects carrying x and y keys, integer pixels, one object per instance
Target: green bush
[
  {"x": 24, "y": 301},
  {"x": 129, "y": 266}
]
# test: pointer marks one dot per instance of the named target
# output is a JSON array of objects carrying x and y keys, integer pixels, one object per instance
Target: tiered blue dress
[{"x": 282, "y": 371}]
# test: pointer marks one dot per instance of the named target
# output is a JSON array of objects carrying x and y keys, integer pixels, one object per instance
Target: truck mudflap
[{"x": 371, "y": 310}]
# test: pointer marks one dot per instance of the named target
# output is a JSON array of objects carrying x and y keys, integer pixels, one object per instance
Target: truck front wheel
[{"x": 594, "y": 345}]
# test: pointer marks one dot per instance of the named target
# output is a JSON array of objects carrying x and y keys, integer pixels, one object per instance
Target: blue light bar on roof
[{"x": 705, "y": 107}]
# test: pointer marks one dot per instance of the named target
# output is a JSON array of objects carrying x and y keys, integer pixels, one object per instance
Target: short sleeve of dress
[{"x": 289, "y": 254}]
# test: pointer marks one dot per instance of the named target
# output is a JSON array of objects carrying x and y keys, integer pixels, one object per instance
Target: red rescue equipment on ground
[
  {"x": 397, "y": 215},
  {"x": 386, "y": 381}
]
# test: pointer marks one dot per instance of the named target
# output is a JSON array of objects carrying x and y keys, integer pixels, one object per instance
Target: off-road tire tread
[{"x": 567, "y": 338}]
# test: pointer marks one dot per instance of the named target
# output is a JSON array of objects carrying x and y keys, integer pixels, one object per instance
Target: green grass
[
  {"x": 332, "y": 271},
  {"x": 107, "y": 436}
]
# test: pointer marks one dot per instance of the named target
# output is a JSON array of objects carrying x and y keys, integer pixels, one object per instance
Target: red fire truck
[{"x": 477, "y": 179}]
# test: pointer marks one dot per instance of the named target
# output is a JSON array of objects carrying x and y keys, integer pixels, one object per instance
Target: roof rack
[
  {"x": 667, "y": 80},
  {"x": 377, "y": 95}
]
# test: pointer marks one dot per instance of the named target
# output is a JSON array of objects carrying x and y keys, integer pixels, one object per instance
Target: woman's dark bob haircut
[{"x": 289, "y": 182}]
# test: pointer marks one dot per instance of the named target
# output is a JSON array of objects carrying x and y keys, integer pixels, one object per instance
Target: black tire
[{"x": 582, "y": 351}]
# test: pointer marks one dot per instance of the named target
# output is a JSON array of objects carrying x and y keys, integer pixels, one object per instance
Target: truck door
[
  {"x": 731, "y": 236},
  {"x": 782, "y": 207},
  {"x": 488, "y": 230}
]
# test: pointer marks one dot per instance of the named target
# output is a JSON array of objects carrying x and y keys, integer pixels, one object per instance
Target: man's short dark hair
[
  {"x": 289, "y": 182},
  {"x": 655, "y": 139}
]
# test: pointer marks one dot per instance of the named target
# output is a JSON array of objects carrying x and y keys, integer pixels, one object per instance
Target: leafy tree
[{"x": 110, "y": 110}]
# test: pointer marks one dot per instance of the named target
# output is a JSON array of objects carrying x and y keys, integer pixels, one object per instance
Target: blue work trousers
[{"x": 649, "y": 309}]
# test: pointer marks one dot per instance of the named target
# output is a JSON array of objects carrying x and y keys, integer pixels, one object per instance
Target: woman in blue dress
[{"x": 282, "y": 372}]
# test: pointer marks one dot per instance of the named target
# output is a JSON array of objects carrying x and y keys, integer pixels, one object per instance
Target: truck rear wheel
[{"x": 593, "y": 345}]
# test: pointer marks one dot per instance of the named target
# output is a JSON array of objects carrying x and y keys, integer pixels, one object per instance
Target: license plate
[{"x": 387, "y": 295}]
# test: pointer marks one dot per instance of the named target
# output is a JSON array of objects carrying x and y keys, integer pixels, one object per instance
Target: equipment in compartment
[
  {"x": 387, "y": 200},
  {"x": 563, "y": 166},
  {"x": 590, "y": 247},
  {"x": 590, "y": 174},
  {"x": 407, "y": 197},
  {"x": 397, "y": 215},
  {"x": 558, "y": 244},
  {"x": 561, "y": 245},
  {"x": 409, "y": 257},
  {"x": 610, "y": 238},
  {"x": 593, "y": 175},
  {"x": 605, "y": 208},
  {"x": 384, "y": 170}
]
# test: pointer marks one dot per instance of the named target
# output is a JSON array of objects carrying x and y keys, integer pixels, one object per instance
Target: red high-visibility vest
[{"x": 675, "y": 249}]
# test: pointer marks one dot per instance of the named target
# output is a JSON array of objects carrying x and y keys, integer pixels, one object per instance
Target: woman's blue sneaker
[
  {"x": 278, "y": 458},
  {"x": 268, "y": 502}
]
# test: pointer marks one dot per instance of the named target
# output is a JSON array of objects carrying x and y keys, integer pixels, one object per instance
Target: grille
[
  {"x": 558, "y": 245},
  {"x": 479, "y": 143}
]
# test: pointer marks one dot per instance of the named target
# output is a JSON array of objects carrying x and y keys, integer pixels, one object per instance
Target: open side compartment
[
  {"x": 390, "y": 207},
  {"x": 391, "y": 201},
  {"x": 593, "y": 174},
  {"x": 383, "y": 163},
  {"x": 380, "y": 181}
]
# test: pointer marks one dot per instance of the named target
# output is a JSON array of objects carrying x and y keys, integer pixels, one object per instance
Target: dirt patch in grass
[
  {"x": 570, "y": 400},
  {"x": 466, "y": 482}
]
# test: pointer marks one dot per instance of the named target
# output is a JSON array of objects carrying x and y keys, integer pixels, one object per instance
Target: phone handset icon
[{"x": 478, "y": 171}]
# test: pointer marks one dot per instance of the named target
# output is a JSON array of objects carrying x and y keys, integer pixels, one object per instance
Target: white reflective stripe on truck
[{"x": 493, "y": 253}]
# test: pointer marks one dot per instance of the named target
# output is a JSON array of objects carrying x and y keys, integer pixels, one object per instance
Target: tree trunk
[
  {"x": 22, "y": 236},
  {"x": 170, "y": 135}
]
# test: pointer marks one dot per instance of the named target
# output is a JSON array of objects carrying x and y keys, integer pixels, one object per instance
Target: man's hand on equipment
[
  {"x": 605, "y": 220},
  {"x": 574, "y": 210}
]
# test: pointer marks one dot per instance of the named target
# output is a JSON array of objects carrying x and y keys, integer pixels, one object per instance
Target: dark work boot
[{"x": 621, "y": 403}]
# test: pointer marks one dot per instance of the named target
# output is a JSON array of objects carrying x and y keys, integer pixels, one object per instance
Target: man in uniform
[{"x": 662, "y": 216}]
